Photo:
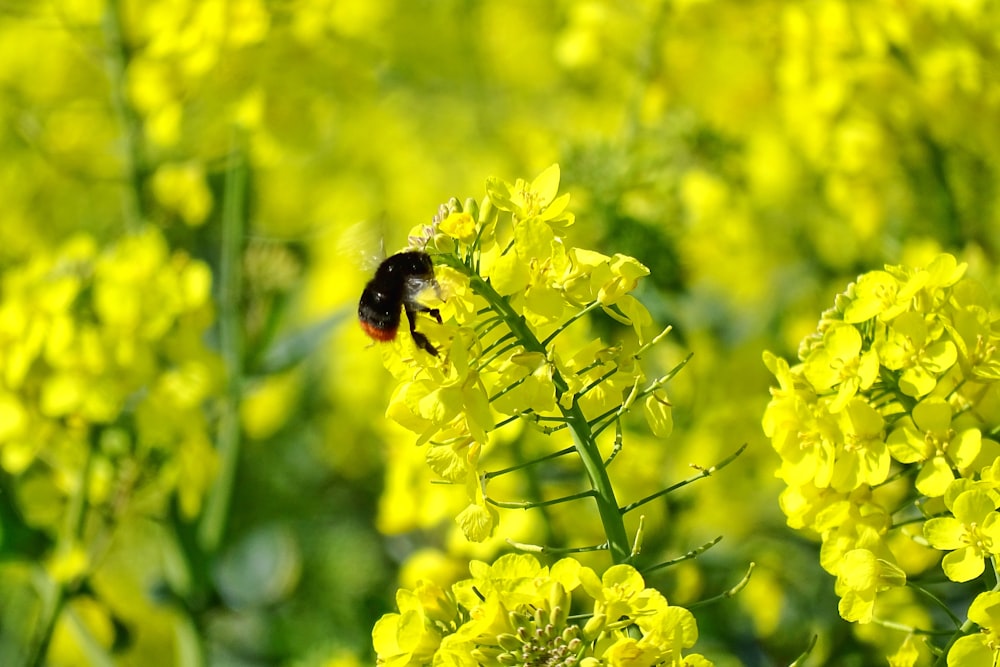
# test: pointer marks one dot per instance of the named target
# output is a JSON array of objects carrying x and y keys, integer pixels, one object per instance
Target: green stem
[
  {"x": 54, "y": 594},
  {"x": 521, "y": 466},
  {"x": 690, "y": 480},
  {"x": 116, "y": 61},
  {"x": 565, "y": 325},
  {"x": 213, "y": 522},
  {"x": 909, "y": 629},
  {"x": 694, "y": 553},
  {"x": 532, "y": 504},
  {"x": 53, "y": 597},
  {"x": 725, "y": 595},
  {"x": 584, "y": 441},
  {"x": 484, "y": 362},
  {"x": 800, "y": 661}
]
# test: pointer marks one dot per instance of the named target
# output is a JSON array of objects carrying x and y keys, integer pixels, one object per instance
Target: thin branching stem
[
  {"x": 800, "y": 661},
  {"x": 618, "y": 444},
  {"x": 726, "y": 594},
  {"x": 534, "y": 420},
  {"x": 965, "y": 627},
  {"x": 636, "y": 396},
  {"x": 527, "y": 464},
  {"x": 591, "y": 366},
  {"x": 590, "y": 387},
  {"x": 503, "y": 422},
  {"x": 704, "y": 473},
  {"x": 598, "y": 423},
  {"x": 499, "y": 341},
  {"x": 565, "y": 325},
  {"x": 54, "y": 594},
  {"x": 512, "y": 386},
  {"x": 937, "y": 603},
  {"x": 680, "y": 559},
  {"x": 487, "y": 325},
  {"x": 531, "y": 504},
  {"x": 909, "y": 629},
  {"x": 484, "y": 362}
]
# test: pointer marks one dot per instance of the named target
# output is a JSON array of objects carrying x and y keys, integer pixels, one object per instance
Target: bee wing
[{"x": 363, "y": 243}]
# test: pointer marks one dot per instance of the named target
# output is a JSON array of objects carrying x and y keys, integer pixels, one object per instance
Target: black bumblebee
[{"x": 397, "y": 282}]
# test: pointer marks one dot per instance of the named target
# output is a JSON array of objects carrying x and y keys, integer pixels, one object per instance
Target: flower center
[
  {"x": 938, "y": 441},
  {"x": 975, "y": 539},
  {"x": 542, "y": 645}
]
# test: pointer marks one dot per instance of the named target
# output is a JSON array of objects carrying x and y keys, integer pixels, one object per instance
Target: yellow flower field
[{"x": 694, "y": 358}]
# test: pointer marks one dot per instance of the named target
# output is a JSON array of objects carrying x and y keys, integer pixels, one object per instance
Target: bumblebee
[{"x": 398, "y": 281}]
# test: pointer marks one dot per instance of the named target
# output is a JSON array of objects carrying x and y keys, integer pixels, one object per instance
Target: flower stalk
[{"x": 584, "y": 438}]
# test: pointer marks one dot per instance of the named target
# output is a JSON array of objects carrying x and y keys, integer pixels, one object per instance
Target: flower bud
[
  {"x": 594, "y": 626},
  {"x": 509, "y": 642},
  {"x": 471, "y": 207}
]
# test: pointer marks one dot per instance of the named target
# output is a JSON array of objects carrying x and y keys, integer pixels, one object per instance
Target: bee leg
[
  {"x": 419, "y": 338},
  {"x": 420, "y": 308}
]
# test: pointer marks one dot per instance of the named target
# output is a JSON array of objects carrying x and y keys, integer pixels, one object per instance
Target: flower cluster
[
  {"x": 884, "y": 426},
  {"x": 516, "y": 612},
  {"x": 514, "y": 347},
  {"x": 513, "y": 298},
  {"x": 106, "y": 377}
]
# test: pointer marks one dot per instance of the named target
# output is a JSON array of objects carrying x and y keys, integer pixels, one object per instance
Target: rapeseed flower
[
  {"x": 517, "y": 612},
  {"x": 106, "y": 371},
  {"x": 971, "y": 535},
  {"x": 983, "y": 647},
  {"x": 514, "y": 297},
  {"x": 860, "y": 577},
  {"x": 882, "y": 424},
  {"x": 927, "y": 436}
]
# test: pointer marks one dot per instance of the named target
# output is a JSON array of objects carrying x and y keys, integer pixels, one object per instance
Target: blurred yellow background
[{"x": 756, "y": 156}]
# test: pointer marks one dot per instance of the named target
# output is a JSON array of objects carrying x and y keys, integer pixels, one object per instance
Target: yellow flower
[
  {"x": 181, "y": 189},
  {"x": 460, "y": 226},
  {"x": 532, "y": 200},
  {"x": 513, "y": 336},
  {"x": 860, "y": 577}
]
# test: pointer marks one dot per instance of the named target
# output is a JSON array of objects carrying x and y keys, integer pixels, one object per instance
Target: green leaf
[{"x": 298, "y": 345}]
